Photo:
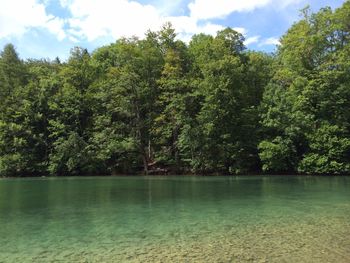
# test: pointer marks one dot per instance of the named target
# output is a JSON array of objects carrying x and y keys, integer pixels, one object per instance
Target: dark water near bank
[{"x": 175, "y": 219}]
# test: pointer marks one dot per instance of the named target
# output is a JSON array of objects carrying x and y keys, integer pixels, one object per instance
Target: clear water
[{"x": 175, "y": 219}]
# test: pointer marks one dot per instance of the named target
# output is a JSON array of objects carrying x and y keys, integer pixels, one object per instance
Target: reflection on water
[{"x": 192, "y": 219}]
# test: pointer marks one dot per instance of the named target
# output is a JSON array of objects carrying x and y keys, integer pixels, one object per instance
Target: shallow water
[{"x": 175, "y": 219}]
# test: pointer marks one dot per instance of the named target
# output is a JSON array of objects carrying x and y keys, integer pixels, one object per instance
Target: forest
[{"x": 158, "y": 105}]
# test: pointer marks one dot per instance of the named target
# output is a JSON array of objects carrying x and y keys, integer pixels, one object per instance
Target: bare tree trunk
[
  {"x": 149, "y": 150},
  {"x": 175, "y": 149},
  {"x": 145, "y": 163}
]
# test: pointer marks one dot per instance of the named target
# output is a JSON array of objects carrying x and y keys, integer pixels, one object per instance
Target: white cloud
[
  {"x": 125, "y": 18},
  {"x": 55, "y": 26},
  {"x": 73, "y": 39},
  {"x": 206, "y": 9},
  {"x": 241, "y": 30},
  {"x": 189, "y": 25},
  {"x": 115, "y": 18},
  {"x": 17, "y": 16},
  {"x": 270, "y": 41},
  {"x": 187, "y": 30},
  {"x": 93, "y": 19},
  {"x": 167, "y": 8},
  {"x": 251, "y": 40},
  {"x": 65, "y": 3}
]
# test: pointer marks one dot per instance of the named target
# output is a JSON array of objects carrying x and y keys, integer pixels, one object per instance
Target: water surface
[{"x": 175, "y": 219}]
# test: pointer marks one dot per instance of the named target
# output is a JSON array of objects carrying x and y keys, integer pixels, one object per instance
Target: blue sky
[{"x": 50, "y": 28}]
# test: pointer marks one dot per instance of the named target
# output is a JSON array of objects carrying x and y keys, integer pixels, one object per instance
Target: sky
[{"x": 50, "y": 28}]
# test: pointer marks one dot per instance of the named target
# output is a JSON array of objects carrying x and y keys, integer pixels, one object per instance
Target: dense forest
[{"x": 159, "y": 105}]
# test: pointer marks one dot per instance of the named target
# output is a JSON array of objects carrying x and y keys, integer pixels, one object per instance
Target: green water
[{"x": 175, "y": 219}]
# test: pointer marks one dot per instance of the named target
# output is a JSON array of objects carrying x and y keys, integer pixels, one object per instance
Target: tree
[
  {"x": 127, "y": 93},
  {"x": 71, "y": 118},
  {"x": 13, "y": 133},
  {"x": 158, "y": 104},
  {"x": 221, "y": 83},
  {"x": 307, "y": 101},
  {"x": 170, "y": 103}
]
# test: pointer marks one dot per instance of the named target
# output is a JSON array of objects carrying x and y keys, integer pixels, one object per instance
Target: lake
[{"x": 175, "y": 219}]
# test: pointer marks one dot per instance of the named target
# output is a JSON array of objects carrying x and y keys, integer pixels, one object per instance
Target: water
[{"x": 175, "y": 219}]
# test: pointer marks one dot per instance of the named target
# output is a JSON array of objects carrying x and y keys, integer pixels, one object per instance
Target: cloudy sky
[{"x": 49, "y": 28}]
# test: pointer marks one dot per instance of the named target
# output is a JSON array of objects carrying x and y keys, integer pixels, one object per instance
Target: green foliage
[
  {"x": 329, "y": 151},
  {"x": 277, "y": 155},
  {"x": 307, "y": 101},
  {"x": 70, "y": 155},
  {"x": 158, "y": 104},
  {"x": 70, "y": 119},
  {"x": 227, "y": 93}
]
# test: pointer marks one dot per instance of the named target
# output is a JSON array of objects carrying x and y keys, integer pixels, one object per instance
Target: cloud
[
  {"x": 124, "y": 18},
  {"x": 241, "y": 30},
  {"x": 65, "y": 3},
  {"x": 270, "y": 41},
  {"x": 73, "y": 39},
  {"x": 168, "y": 8},
  {"x": 186, "y": 27},
  {"x": 17, "y": 17},
  {"x": 207, "y": 9},
  {"x": 119, "y": 18},
  {"x": 92, "y": 20},
  {"x": 55, "y": 26},
  {"x": 189, "y": 25},
  {"x": 251, "y": 40}
]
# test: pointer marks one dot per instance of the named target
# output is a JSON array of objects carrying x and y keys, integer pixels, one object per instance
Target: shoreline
[{"x": 175, "y": 175}]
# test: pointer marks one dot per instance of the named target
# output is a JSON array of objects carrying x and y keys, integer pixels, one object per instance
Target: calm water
[{"x": 175, "y": 219}]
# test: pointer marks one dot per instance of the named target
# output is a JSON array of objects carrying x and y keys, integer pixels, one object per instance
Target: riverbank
[{"x": 171, "y": 175}]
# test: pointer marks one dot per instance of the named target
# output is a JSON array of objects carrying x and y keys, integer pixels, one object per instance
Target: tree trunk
[{"x": 145, "y": 163}]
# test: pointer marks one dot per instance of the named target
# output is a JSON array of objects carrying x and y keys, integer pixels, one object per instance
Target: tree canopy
[{"x": 159, "y": 105}]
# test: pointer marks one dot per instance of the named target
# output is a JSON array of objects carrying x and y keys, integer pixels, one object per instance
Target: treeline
[{"x": 158, "y": 105}]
